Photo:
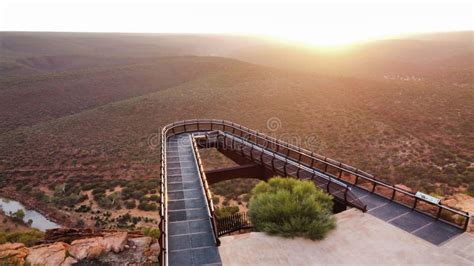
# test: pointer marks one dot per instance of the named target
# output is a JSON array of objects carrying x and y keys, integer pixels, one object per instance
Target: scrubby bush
[
  {"x": 83, "y": 208},
  {"x": 470, "y": 188},
  {"x": 147, "y": 206},
  {"x": 154, "y": 198},
  {"x": 215, "y": 200},
  {"x": 130, "y": 204},
  {"x": 152, "y": 232},
  {"x": 29, "y": 238},
  {"x": 290, "y": 207},
  {"x": 41, "y": 196},
  {"x": 226, "y": 211},
  {"x": 19, "y": 214}
]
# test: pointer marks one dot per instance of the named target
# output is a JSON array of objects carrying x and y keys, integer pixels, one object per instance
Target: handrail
[
  {"x": 332, "y": 182},
  {"x": 163, "y": 202},
  {"x": 206, "y": 190},
  {"x": 232, "y": 223},
  {"x": 244, "y": 132}
]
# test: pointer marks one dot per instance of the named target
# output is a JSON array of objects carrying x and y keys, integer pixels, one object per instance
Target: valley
[{"x": 80, "y": 120}]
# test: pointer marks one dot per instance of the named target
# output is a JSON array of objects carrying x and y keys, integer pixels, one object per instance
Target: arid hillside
[
  {"x": 444, "y": 57},
  {"x": 78, "y": 116},
  {"x": 28, "y": 100}
]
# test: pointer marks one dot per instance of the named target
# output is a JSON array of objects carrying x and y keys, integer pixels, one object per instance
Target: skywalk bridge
[{"x": 190, "y": 230}]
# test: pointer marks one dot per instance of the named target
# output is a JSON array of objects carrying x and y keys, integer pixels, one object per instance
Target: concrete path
[
  {"x": 191, "y": 241},
  {"x": 359, "y": 239}
]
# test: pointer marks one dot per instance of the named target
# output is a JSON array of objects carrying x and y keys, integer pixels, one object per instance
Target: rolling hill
[{"x": 71, "y": 107}]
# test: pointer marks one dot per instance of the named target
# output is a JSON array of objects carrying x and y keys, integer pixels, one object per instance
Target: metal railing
[
  {"x": 332, "y": 168},
  {"x": 232, "y": 223},
  {"x": 163, "y": 225},
  {"x": 285, "y": 166},
  {"x": 207, "y": 192}
]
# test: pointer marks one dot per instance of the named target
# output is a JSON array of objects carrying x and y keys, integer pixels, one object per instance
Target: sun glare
[{"x": 320, "y": 24}]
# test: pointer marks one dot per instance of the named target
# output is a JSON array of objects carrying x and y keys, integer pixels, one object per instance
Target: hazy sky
[{"x": 330, "y": 22}]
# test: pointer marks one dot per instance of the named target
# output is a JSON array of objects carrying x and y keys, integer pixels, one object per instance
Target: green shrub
[
  {"x": 29, "y": 238},
  {"x": 41, "y": 196},
  {"x": 226, "y": 211},
  {"x": 152, "y": 232},
  {"x": 215, "y": 200},
  {"x": 290, "y": 207},
  {"x": 83, "y": 208},
  {"x": 130, "y": 204},
  {"x": 146, "y": 206},
  {"x": 154, "y": 198},
  {"x": 19, "y": 214}
]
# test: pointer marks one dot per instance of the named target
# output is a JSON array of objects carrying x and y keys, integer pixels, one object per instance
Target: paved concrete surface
[
  {"x": 191, "y": 241},
  {"x": 359, "y": 239}
]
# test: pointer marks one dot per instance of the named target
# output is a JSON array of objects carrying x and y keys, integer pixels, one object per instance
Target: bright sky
[{"x": 317, "y": 22}]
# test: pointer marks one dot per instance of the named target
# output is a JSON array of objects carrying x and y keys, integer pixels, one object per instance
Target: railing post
[
  {"x": 345, "y": 194},
  {"x": 414, "y": 204},
  {"x": 273, "y": 162},
  {"x": 263, "y": 151}
]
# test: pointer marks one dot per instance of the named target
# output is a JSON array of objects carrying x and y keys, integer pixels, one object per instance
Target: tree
[
  {"x": 290, "y": 207},
  {"x": 19, "y": 214}
]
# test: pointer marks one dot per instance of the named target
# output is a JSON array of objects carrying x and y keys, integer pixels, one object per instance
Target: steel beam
[{"x": 243, "y": 171}]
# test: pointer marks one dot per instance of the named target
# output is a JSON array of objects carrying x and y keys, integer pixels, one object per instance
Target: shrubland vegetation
[
  {"x": 290, "y": 207},
  {"x": 29, "y": 238},
  {"x": 78, "y": 116},
  {"x": 93, "y": 200}
]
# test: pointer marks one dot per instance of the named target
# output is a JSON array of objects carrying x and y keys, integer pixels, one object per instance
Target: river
[{"x": 39, "y": 221}]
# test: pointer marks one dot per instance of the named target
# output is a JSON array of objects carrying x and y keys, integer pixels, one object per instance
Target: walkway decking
[
  {"x": 418, "y": 224},
  {"x": 191, "y": 241}
]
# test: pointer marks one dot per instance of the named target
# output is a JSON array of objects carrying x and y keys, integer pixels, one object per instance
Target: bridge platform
[
  {"x": 413, "y": 222},
  {"x": 190, "y": 229},
  {"x": 190, "y": 236}
]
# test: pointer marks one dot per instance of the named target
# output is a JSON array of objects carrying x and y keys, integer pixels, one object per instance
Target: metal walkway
[
  {"x": 417, "y": 223},
  {"x": 189, "y": 231},
  {"x": 414, "y": 222},
  {"x": 190, "y": 235}
]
